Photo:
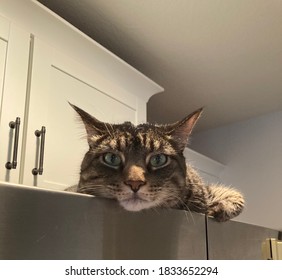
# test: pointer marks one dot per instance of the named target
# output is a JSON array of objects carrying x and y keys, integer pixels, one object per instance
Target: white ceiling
[{"x": 225, "y": 55}]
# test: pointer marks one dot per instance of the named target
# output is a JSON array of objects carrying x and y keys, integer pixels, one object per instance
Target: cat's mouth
[{"x": 136, "y": 203}]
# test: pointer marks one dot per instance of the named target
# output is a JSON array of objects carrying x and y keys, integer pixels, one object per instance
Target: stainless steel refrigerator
[{"x": 43, "y": 224}]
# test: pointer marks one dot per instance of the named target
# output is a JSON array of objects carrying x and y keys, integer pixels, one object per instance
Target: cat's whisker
[
  {"x": 175, "y": 197},
  {"x": 92, "y": 189},
  {"x": 113, "y": 131},
  {"x": 191, "y": 215},
  {"x": 156, "y": 209},
  {"x": 107, "y": 125}
]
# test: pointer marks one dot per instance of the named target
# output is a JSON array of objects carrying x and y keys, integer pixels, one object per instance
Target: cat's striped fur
[{"x": 143, "y": 167}]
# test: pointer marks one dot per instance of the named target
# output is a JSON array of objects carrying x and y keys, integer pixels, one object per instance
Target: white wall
[{"x": 252, "y": 153}]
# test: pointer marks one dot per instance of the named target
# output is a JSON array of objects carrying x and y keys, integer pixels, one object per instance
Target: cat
[{"x": 144, "y": 167}]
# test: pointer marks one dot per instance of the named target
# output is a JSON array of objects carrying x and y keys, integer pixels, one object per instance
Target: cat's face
[{"x": 140, "y": 166}]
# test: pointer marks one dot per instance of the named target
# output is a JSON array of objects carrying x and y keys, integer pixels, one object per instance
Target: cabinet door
[
  {"x": 14, "y": 58},
  {"x": 57, "y": 80},
  {"x": 3, "y": 50}
]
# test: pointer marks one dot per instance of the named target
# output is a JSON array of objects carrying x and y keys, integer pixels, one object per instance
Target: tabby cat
[{"x": 143, "y": 167}]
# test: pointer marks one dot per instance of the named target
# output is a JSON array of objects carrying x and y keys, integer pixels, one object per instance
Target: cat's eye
[
  {"x": 112, "y": 159},
  {"x": 158, "y": 160}
]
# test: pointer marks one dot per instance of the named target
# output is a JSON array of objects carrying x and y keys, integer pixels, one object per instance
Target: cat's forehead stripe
[
  {"x": 169, "y": 150},
  {"x": 141, "y": 138},
  {"x": 149, "y": 143},
  {"x": 157, "y": 144},
  {"x": 150, "y": 140},
  {"x": 95, "y": 138},
  {"x": 113, "y": 144},
  {"x": 122, "y": 143}
]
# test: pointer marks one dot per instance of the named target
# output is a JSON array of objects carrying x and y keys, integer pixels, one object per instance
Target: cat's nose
[{"x": 135, "y": 185}]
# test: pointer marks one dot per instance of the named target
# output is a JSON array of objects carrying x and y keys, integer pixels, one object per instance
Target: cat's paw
[
  {"x": 227, "y": 204},
  {"x": 223, "y": 211}
]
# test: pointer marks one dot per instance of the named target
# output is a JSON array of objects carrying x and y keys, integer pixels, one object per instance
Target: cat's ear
[
  {"x": 93, "y": 126},
  {"x": 181, "y": 130}
]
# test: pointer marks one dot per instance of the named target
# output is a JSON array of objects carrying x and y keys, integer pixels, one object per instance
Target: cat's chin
[{"x": 136, "y": 205}]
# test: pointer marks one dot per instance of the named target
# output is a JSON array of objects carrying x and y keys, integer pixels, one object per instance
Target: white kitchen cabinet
[
  {"x": 14, "y": 59},
  {"x": 209, "y": 169},
  {"x": 57, "y": 79},
  {"x": 46, "y": 66}
]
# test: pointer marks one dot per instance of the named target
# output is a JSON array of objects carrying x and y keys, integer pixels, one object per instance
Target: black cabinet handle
[
  {"x": 14, "y": 125},
  {"x": 40, "y": 133}
]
